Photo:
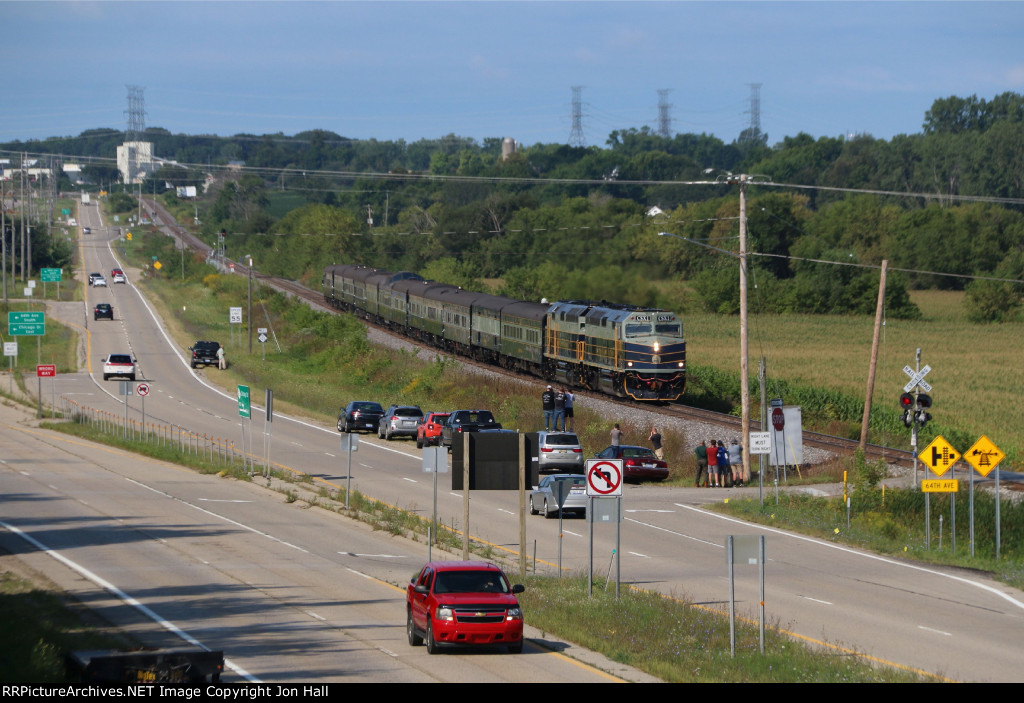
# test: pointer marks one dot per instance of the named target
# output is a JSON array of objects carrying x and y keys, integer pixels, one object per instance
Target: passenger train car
[{"x": 622, "y": 350}]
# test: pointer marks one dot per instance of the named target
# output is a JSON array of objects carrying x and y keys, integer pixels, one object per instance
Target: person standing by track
[
  {"x": 701, "y": 451},
  {"x": 655, "y": 439},
  {"x": 713, "y": 463}
]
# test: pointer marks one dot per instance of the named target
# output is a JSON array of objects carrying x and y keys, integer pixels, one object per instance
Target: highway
[{"x": 283, "y": 590}]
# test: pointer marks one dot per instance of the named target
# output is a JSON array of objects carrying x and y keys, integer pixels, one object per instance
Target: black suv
[
  {"x": 360, "y": 415},
  {"x": 103, "y": 311},
  {"x": 204, "y": 353},
  {"x": 467, "y": 421}
]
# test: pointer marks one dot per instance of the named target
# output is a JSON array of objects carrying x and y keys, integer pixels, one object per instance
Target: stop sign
[{"x": 778, "y": 419}]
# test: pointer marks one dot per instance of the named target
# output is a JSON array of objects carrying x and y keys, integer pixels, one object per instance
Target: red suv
[
  {"x": 428, "y": 433},
  {"x": 463, "y": 602}
]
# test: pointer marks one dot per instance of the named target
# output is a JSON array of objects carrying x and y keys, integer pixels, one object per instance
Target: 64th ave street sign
[{"x": 26, "y": 323}]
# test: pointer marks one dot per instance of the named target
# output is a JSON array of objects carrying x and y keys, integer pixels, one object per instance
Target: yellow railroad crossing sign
[
  {"x": 939, "y": 455},
  {"x": 984, "y": 456}
]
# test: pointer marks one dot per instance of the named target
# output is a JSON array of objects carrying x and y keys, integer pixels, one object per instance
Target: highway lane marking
[
  {"x": 219, "y": 517},
  {"x": 638, "y": 554},
  {"x": 677, "y": 534},
  {"x": 410, "y": 480},
  {"x": 816, "y": 600},
  {"x": 931, "y": 629},
  {"x": 374, "y": 556},
  {"x": 124, "y": 597},
  {"x": 224, "y": 500},
  {"x": 570, "y": 532},
  {"x": 913, "y": 567},
  {"x": 651, "y": 510}
]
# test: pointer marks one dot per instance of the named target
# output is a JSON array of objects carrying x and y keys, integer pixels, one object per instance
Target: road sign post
[
  {"x": 245, "y": 412},
  {"x": 604, "y": 481}
]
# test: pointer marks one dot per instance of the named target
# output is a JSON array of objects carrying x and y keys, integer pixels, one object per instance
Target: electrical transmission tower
[
  {"x": 136, "y": 113},
  {"x": 664, "y": 118},
  {"x": 576, "y": 137},
  {"x": 754, "y": 130}
]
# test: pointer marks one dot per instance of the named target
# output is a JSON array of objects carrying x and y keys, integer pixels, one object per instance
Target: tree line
[{"x": 559, "y": 221}]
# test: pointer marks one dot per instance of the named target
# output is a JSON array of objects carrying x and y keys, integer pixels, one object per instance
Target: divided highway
[{"x": 292, "y": 594}]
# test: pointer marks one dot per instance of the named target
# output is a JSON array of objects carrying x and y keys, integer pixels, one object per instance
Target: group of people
[
  {"x": 719, "y": 466},
  {"x": 557, "y": 405}
]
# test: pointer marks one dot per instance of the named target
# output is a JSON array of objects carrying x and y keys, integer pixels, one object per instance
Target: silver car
[
  {"x": 543, "y": 498},
  {"x": 559, "y": 451}
]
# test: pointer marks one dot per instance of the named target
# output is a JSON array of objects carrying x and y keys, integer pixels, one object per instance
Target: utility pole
[
  {"x": 744, "y": 348},
  {"x": 249, "y": 320},
  {"x": 874, "y": 358}
]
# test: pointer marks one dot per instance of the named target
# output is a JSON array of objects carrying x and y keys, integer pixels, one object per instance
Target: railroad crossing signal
[
  {"x": 984, "y": 456},
  {"x": 939, "y": 455},
  {"x": 917, "y": 378}
]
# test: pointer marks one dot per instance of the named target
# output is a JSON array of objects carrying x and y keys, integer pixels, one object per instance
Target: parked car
[
  {"x": 97, "y": 279},
  {"x": 463, "y": 602},
  {"x": 428, "y": 432},
  {"x": 637, "y": 462},
  {"x": 119, "y": 365},
  {"x": 559, "y": 451},
  {"x": 399, "y": 421},
  {"x": 117, "y": 276},
  {"x": 103, "y": 311},
  {"x": 544, "y": 500},
  {"x": 360, "y": 415},
  {"x": 86, "y": 230},
  {"x": 204, "y": 353},
  {"x": 461, "y": 421}
]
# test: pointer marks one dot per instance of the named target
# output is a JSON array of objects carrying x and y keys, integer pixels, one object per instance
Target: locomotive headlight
[
  {"x": 657, "y": 357},
  {"x": 657, "y": 347}
]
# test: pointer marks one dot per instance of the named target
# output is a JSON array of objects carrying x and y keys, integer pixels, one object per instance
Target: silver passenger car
[{"x": 543, "y": 498}]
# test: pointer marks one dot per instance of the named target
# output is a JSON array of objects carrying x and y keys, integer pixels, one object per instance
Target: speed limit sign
[{"x": 142, "y": 389}]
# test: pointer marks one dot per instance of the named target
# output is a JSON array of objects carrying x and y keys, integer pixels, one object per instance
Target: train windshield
[
  {"x": 669, "y": 329},
  {"x": 638, "y": 330}
]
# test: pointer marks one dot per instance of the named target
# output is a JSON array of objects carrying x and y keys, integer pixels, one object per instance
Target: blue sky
[{"x": 414, "y": 70}]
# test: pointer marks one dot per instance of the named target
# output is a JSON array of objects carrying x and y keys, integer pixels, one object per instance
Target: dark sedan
[
  {"x": 359, "y": 415},
  {"x": 638, "y": 463}
]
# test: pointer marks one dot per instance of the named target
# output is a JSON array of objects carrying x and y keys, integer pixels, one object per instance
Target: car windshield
[
  {"x": 636, "y": 452},
  {"x": 366, "y": 407},
  {"x": 409, "y": 412},
  {"x": 470, "y": 582},
  {"x": 119, "y": 359}
]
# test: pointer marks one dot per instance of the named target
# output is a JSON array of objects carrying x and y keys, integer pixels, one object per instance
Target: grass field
[{"x": 976, "y": 369}]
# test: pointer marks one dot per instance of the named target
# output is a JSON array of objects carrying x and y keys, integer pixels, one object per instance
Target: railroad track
[{"x": 831, "y": 443}]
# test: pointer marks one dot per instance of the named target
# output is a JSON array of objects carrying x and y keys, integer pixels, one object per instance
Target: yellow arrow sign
[
  {"x": 984, "y": 456},
  {"x": 939, "y": 456}
]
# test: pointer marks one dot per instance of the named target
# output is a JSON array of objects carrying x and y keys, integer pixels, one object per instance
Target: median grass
[{"x": 680, "y": 642}]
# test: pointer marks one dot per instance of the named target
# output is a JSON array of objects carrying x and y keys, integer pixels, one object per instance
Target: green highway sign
[
  {"x": 50, "y": 275},
  {"x": 243, "y": 401},
  {"x": 26, "y": 323}
]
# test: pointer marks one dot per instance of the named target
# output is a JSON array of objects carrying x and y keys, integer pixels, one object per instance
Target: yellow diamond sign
[
  {"x": 984, "y": 456},
  {"x": 939, "y": 455}
]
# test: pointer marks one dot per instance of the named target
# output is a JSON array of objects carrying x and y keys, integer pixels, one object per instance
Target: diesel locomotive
[{"x": 621, "y": 350}]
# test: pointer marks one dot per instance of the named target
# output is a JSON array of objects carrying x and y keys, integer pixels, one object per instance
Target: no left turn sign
[{"x": 604, "y": 477}]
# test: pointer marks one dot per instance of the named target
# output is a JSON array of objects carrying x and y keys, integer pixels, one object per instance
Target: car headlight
[
  {"x": 444, "y": 612},
  {"x": 514, "y": 614}
]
